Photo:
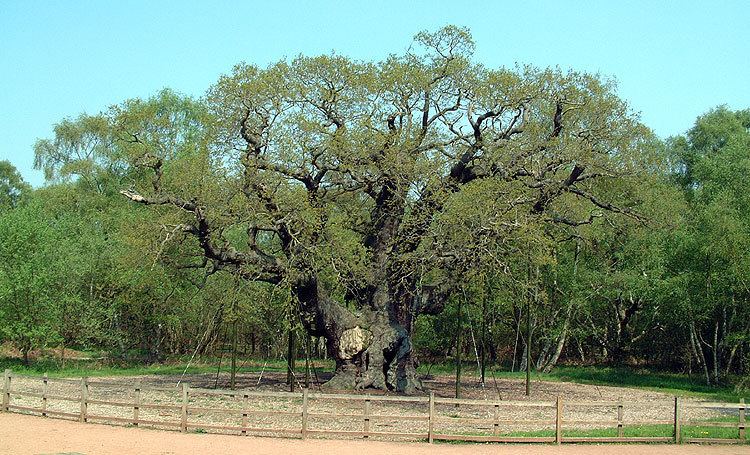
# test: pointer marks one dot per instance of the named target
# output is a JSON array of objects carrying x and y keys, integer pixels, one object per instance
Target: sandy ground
[{"x": 20, "y": 435}]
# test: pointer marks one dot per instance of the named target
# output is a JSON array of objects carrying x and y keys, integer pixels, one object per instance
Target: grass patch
[
  {"x": 671, "y": 383},
  {"x": 633, "y": 431},
  {"x": 176, "y": 366},
  {"x": 640, "y": 378}
]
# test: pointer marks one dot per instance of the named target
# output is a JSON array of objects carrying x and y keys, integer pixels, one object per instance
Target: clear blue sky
[{"x": 673, "y": 59}]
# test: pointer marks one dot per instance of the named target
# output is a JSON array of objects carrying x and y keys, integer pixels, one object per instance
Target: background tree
[
  {"x": 12, "y": 186},
  {"x": 29, "y": 280},
  {"x": 710, "y": 259}
]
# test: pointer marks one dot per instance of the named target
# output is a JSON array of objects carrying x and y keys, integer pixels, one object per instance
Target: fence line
[{"x": 430, "y": 419}]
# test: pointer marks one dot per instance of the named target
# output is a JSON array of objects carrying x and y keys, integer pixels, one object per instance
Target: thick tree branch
[
  {"x": 606, "y": 205},
  {"x": 267, "y": 268}
]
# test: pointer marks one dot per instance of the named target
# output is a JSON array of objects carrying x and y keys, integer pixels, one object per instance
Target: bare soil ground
[
  {"x": 9, "y": 351},
  {"x": 639, "y": 405},
  {"x": 26, "y": 435}
]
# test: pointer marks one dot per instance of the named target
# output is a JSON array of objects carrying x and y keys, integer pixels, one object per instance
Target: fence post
[
  {"x": 184, "y": 408},
  {"x": 244, "y": 415},
  {"x": 620, "y": 432},
  {"x": 45, "y": 390},
  {"x": 137, "y": 405},
  {"x": 677, "y": 418},
  {"x": 6, "y": 390},
  {"x": 84, "y": 399},
  {"x": 304, "y": 413},
  {"x": 558, "y": 420},
  {"x": 741, "y": 425},
  {"x": 431, "y": 418},
  {"x": 367, "y": 418}
]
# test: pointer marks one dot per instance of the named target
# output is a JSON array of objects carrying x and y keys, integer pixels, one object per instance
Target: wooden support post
[
  {"x": 233, "y": 367},
  {"x": 6, "y": 390},
  {"x": 496, "y": 423},
  {"x": 184, "y": 408},
  {"x": 741, "y": 425},
  {"x": 558, "y": 420},
  {"x": 45, "y": 391},
  {"x": 431, "y": 418},
  {"x": 290, "y": 361},
  {"x": 84, "y": 399},
  {"x": 367, "y": 418},
  {"x": 620, "y": 432},
  {"x": 137, "y": 404},
  {"x": 304, "y": 413},
  {"x": 677, "y": 419},
  {"x": 244, "y": 415}
]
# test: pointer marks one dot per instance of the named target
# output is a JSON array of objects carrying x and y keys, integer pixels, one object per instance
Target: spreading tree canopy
[{"x": 367, "y": 188}]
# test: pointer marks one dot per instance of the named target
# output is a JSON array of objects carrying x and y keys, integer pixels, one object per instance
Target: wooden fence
[{"x": 295, "y": 414}]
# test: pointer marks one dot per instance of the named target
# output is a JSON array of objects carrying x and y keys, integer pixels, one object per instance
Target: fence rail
[{"x": 294, "y": 418}]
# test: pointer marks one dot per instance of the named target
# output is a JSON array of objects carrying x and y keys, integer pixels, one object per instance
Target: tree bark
[
  {"x": 715, "y": 352},
  {"x": 560, "y": 342},
  {"x": 698, "y": 352}
]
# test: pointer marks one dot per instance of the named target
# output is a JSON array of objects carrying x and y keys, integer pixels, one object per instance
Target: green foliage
[
  {"x": 710, "y": 260},
  {"x": 12, "y": 186},
  {"x": 32, "y": 292}
]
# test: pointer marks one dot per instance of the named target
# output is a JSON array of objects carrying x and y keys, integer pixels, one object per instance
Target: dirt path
[{"x": 21, "y": 435}]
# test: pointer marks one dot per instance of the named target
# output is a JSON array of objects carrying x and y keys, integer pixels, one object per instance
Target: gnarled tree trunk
[{"x": 371, "y": 349}]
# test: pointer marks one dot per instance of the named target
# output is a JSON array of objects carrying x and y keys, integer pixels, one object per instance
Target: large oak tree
[{"x": 342, "y": 180}]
